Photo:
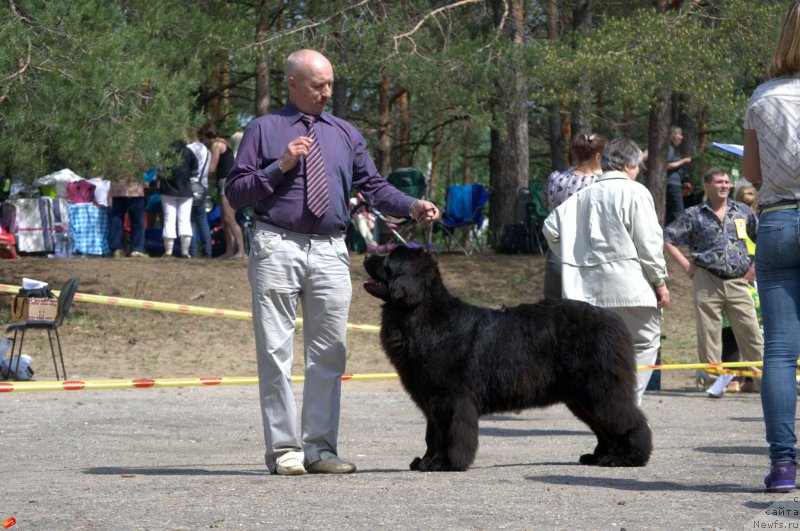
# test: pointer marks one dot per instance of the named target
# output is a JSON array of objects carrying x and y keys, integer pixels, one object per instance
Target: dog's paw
[
  {"x": 620, "y": 461},
  {"x": 426, "y": 464},
  {"x": 415, "y": 463},
  {"x": 430, "y": 464},
  {"x": 588, "y": 459}
]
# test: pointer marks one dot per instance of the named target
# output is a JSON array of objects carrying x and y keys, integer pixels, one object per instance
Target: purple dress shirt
[{"x": 279, "y": 199}]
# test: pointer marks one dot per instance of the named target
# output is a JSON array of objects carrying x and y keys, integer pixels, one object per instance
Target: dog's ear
[{"x": 411, "y": 277}]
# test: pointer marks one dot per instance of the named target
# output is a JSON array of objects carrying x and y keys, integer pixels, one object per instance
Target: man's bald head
[{"x": 309, "y": 76}]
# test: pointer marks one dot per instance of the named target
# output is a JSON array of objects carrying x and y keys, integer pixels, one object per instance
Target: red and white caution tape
[
  {"x": 153, "y": 383},
  {"x": 707, "y": 366},
  {"x": 177, "y": 308}
]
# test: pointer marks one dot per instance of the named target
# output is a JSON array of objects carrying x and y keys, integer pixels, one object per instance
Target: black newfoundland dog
[{"x": 459, "y": 361}]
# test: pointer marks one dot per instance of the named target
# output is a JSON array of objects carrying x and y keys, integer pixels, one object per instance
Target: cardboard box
[{"x": 33, "y": 309}]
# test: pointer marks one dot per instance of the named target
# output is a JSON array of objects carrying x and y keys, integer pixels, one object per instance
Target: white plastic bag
[{"x": 20, "y": 369}]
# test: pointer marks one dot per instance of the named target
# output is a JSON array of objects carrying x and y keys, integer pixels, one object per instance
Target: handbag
[{"x": 198, "y": 190}]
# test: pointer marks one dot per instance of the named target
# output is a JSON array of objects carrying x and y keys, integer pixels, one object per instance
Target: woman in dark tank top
[{"x": 221, "y": 163}]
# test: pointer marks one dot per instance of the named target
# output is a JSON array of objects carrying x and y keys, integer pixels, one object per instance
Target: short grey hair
[{"x": 619, "y": 153}]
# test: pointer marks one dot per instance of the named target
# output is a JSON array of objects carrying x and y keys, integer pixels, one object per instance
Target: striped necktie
[{"x": 316, "y": 183}]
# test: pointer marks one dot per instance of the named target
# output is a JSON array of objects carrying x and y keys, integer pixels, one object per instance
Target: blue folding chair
[{"x": 462, "y": 220}]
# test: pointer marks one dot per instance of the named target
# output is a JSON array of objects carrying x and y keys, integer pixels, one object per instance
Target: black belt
[{"x": 718, "y": 274}]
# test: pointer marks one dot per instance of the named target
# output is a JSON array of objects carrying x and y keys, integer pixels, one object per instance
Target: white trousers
[
  {"x": 645, "y": 326},
  {"x": 286, "y": 266},
  {"x": 180, "y": 207}
]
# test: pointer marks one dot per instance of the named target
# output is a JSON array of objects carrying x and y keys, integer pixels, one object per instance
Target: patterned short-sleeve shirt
[
  {"x": 561, "y": 185},
  {"x": 719, "y": 246}
]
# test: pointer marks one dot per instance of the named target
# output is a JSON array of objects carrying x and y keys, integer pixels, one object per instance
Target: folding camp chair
[
  {"x": 537, "y": 213},
  {"x": 414, "y": 183},
  {"x": 20, "y": 327},
  {"x": 462, "y": 220}
]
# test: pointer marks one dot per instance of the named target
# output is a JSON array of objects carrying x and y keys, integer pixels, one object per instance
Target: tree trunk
[
  {"x": 658, "y": 148},
  {"x": 262, "y": 85},
  {"x": 702, "y": 128},
  {"x": 556, "y": 140},
  {"x": 262, "y": 61},
  {"x": 582, "y": 21},
  {"x": 340, "y": 98},
  {"x": 218, "y": 105},
  {"x": 225, "y": 103},
  {"x": 402, "y": 146},
  {"x": 384, "y": 119},
  {"x": 687, "y": 115},
  {"x": 658, "y": 135},
  {"x": 466, "y": 155},
  {"x": 277, "y": 82},
  {"x": 627, "y": 118},
  {"x": 436, "y": 158},
  {"x": 509, "y": 151},
  {"x": 554, "y": 121},
  {"x": 566, "y": 134},
  {"x": 340, "y": 107}
]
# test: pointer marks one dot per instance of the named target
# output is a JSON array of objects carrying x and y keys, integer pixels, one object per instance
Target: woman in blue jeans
[
  {"x": 771, "y": 140},
  {"x": 127, "y": 197}
]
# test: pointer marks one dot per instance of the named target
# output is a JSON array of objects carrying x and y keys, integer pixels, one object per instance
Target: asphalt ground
[{"x": 192, "y": 458}]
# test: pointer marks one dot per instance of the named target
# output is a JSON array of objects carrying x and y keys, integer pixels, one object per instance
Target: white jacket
[{"x": 610, "y": 243}]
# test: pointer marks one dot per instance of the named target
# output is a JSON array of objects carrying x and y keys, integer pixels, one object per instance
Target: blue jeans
[
  {"x": 778, "y": 273},
  {"x": 134, "y": 206},
  {"x": 200, "y": 226}
]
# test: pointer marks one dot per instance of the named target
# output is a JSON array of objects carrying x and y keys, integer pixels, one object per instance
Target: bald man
[{"x": 297, "y": 167}]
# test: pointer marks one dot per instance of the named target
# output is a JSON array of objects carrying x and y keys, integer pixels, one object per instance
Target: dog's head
[{"x": 404, "y": 276}]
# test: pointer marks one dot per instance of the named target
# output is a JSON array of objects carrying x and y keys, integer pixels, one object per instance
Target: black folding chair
[{"x": 20, "y": 327}]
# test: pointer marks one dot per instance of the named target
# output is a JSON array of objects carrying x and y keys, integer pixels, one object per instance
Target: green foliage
[
  {"x": 94, "y": 85},
  {"x": 101, "y": 86},
  {"x": 708, "y": 53}
]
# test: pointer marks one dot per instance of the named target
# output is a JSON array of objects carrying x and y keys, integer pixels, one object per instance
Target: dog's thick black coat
[{"x": 459, "y": 361}]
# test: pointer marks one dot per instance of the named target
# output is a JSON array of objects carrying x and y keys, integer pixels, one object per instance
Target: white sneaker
[
  {"x": 290, "y": 464},
  {"x": 718, "y": 389}
]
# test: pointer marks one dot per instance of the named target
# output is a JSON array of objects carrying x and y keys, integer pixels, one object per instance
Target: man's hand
[
  {"x": 690, "y": 269},
  {"x": 297, "y": 148},
  {"x": 662, "y": 296},
  {"x": 424, "y": 212},
  {"x": 750, "y": 276},
  {"x": 686, "y": 264}
]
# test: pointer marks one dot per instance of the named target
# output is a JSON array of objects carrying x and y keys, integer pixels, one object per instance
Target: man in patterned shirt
[{"x": 720, "y": 268}]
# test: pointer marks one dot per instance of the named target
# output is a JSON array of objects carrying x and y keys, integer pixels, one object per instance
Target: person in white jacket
[{"x": 610, "y": 244}]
